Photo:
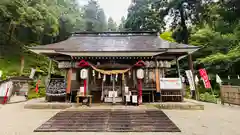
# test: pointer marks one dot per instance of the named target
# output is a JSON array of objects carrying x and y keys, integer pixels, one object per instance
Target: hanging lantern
[
  {"x": 84, "y": 73},
  {"x": 140, "y": 73}
]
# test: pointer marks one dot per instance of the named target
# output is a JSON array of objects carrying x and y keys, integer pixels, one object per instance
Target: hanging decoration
[
  {"x": 99, "y": 75},
  {"x": 116, "y": 78},
  {"x": 111, "y": 77},
  {"x": 93, "y": 72},
  {"x": 84, "y": 75},
  {"x": 140, "y": 75},
  {"x": 104, "y": 78},
  {"x": 83, "y": 63}
]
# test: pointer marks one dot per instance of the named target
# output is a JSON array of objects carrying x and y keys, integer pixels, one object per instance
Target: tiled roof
[{"x": 112, "y": 42}]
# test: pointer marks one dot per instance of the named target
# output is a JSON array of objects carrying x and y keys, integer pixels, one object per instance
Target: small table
[{"x": 89, "y": 97}]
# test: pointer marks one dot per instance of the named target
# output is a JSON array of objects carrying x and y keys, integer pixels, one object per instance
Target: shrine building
[{"x": 117, "y": 67}]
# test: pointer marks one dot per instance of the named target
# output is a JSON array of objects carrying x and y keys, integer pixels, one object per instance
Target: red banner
[
  {"x": 36, "y": 89},
  {"x": 203, "y": 74}
]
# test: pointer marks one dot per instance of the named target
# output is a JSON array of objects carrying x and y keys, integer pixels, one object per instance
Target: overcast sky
[{"x": 113, "y": 8}]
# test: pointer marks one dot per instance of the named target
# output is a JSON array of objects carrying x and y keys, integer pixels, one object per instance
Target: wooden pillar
[
  {"x": 178, "y": 68},
  {"x": 69, "y": 81}
]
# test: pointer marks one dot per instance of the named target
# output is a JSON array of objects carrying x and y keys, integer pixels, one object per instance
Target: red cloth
[
  {"x": 203, "y": 74},
  {"x": 139, "y": 91},
  {"x": 85, "y": 86}
]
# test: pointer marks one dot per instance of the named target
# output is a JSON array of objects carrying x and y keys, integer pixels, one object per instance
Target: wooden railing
[{"x": 230, "y": 94}]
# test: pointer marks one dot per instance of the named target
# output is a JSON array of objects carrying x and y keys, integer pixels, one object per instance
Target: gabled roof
[{"x": 112, "y": 42}]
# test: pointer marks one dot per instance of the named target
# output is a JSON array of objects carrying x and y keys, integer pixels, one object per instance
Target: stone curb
[
  {"x": 180, "y": 107},
  {"x": 47, "y": 106}
]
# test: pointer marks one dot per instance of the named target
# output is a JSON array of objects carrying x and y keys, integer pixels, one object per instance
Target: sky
[{"x": 113, "y": 8}]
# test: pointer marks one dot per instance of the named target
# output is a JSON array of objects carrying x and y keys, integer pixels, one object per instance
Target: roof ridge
[{"x": 124, "y": 33}]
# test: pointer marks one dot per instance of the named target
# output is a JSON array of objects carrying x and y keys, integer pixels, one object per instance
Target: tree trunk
[{"x": 185, "y": 37}]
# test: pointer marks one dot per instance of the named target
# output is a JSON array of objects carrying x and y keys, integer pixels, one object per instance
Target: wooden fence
[{"x": 230, "y": 94}]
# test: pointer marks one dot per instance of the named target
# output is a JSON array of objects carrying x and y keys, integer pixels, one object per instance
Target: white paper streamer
[
  {"x": 116, "y": 77},
  {"x": 93, "y": 72},
  {"x": 104, "y": 77},
  {"x": 99, "y": 75}
]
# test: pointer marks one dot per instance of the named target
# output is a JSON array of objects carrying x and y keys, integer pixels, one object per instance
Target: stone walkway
[{"x": 214, "y": 120}]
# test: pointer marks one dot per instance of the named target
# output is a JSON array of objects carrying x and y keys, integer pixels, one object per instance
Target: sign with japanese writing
[
  {"x": 190, "y": 79},
  {"x": 203, "y": 74},
  {"x": 170, "y": 83}
]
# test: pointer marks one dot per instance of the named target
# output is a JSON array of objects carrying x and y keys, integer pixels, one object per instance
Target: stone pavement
[{"x": 214, "y": 120}]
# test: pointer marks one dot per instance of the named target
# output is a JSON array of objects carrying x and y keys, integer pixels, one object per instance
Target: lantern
[
  {"x": 140, "y": 73},
  {"x": 84, "y": 74}
]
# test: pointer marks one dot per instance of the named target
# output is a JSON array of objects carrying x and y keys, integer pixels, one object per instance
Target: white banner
[
  {"x": 32, "y": 73},
  {"x": 190, "y": 79},
  {"x": 170, "y": 83},
  {"x": 3, "y": 88}
]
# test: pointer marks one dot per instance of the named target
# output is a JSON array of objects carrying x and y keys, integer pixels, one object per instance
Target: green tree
[
  {"x": 144, "y": 15},
  {"x": 102, "y": 21},
  {"x": 95, "y": 18},
  {"x": 29, "y": 22},
  {"x": 112, "y": 26},
  {"x": 122, "y": 23}
]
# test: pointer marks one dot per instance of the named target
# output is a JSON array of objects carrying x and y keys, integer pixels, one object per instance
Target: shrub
[{"x": 206, "y": 97}]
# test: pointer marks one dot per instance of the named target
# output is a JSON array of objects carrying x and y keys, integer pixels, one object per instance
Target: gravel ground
[{"x": 214, "y": 120}]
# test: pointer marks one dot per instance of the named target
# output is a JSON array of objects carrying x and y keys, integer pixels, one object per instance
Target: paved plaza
[{"x": 214, "y": 120}]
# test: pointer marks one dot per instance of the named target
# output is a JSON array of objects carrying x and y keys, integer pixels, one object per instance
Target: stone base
[{"x": 42, "y": 104}]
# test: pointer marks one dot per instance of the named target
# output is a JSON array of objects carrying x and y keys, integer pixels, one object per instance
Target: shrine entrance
[{"x": 112, "y": 89}]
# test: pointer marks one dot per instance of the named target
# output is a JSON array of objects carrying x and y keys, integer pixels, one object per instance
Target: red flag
[
  {"x": 203, "y": 74},
  {"x": 36, "y": 89},
  {"x": 5, "y": 97}
]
